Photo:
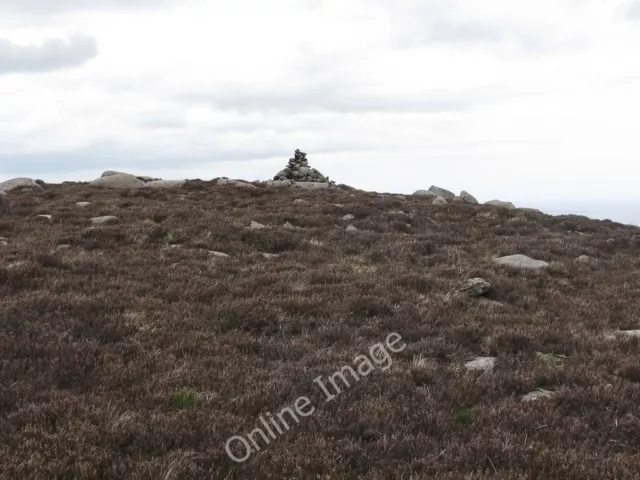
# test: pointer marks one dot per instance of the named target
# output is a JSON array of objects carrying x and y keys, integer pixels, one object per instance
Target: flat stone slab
[
  {"x": 218, "y": 254},
  {"x": 105, "y": 220},
  {"x": 500, "y": 203},
  {"x": 520, "y": 261},
  {"x": 481, "y": 363},
  {"x": 82, "y": 204},
  {"x": 44, "y": 217},
  {"x": 118, "y": 181},
  {"x": 538, "y": 394},
  {"x": 475, "y": 287}
]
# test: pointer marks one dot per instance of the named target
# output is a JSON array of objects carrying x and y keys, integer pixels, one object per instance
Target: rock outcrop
[
  {"x": 118, "y": 180},
  {"x": 298, "y": 170},
  {"x": 466, "y": 197},
  {"x": 14, "y": 183},
  {"x": 500, "y": 203},
  {"x": 441, "y": 192}
]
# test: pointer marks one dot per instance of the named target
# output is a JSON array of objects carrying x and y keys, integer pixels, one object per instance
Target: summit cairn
[{"x": 300, "y": 173}]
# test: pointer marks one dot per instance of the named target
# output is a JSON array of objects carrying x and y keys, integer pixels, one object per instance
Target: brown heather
[{"x": 124, "y": 358}]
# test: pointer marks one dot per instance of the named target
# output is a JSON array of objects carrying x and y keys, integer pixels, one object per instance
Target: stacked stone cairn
[{"x": 298, "y": 170}]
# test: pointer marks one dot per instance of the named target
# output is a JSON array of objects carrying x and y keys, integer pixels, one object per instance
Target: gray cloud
[
  {"x": 339, "y": 97},
  {"x": 52, "y": 54},
  {"x": 633, "y": 10}
]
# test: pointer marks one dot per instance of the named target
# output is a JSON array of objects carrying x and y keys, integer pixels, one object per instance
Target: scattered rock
[
  {"x": 441, "y": 192},
  {"x": 165, "y": 184},
  {"x": 44, "y": 217},
  {"x": 352, "y": 229},
  {"x": 348, "y": 217},
  {"x": 269, "y": 255},
  {"x": 499, "y": 203},
  {"x": 3, "y": 243},
  {"x": 537, "y": 394},
  {"x": 64, "y": 246},
  {"x": 105, "y": 220},
  {"x": 424, "y": 193},
  {"x": 290, "y": 226},
  {"x": 521, "y": 261},
  {"x": 82, "y": 204},
  {"x": 300, "y": 200},
  {"x": 475, "y": 287},
  {"x": 118, "y": 181},
  {"x": 218, "y": 254},
  {"x": 439, "y": 201},
  {"x": 255, "y": 225},
  {"x": 583, "y": 259},
  {"x": 468, "y": 198},
  {"x": 481, "y": 363},
  {"x": 14, "y": 183}
]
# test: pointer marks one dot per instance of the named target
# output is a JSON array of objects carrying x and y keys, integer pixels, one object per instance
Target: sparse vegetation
[{"x": 99, "y": 340}]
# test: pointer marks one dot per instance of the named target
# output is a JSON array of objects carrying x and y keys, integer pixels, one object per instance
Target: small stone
[
  {"x": 290, "y": 226},
  {"x": 64, "y": 246},
  {"x": 481, "y": 363},
  {"x": 269, "y": 255},
  {"x": 521, "y": 261},
  {"x": 218, "y": 254},
  {"x": 475, "y": 287},
  {"x": 44, "y": 217},
  {"x": 348, "y": 217},
  {"x": 255, "y": 225},
  {"x": 352, "y": 229},
  {"x": 82, "y": 204},
  {"x": 583, "y": 259},
  {"x": 300, "y": 200},
  {"x": 439, "y": 201},
  {"x": 105, "y": 220},
  {"x": 3, "y": 243},
  {"x": 537, "y": 394}
]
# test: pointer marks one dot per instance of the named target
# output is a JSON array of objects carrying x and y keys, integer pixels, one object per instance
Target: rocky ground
[{"x": 140, "y": 328}]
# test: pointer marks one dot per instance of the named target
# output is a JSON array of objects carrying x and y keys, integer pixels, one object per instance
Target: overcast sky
[{"x": 508, "y": 99}]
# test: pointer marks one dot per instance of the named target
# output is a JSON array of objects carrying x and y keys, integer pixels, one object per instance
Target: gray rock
[
  {"x": 540, "y": 393},
  {"x": 290, "y": 226},
  {"x": 623, "y": 333},
  {"x": 583, "y": 259},
  {"x": 112, "y": 173},
  {"x": 499, "y": 203},
  {"x": 441, "y": 192},
  {"x": 348, "y": 217},
  {"x": 468, "y": 198},
  {"x": 300, "y": 200},
  {"x": 165, "y": 184},
  {"x": 481, "y": 363},
  {"x": 64, "y": 246},
  {"x": 4, "y": 239},
  {"x": 424, "y": 193},
  {"x": 44, "y": 217},
  {"x": 256, "y": 226},
  {"x": 520, "y": 261},
  {"x": 14, "y": 183},
  {"x": 399, "y": 197},
  {"x": 118, "y": 181},
  {"x": 352, "y": 229},
  {"x": 82, "y": 204},
  {"x": 475, "y": 287},
  {"x": 269, "y": 255},
  {"x": 236, "y": 183},
  {"x": 439, "y": 201},
  {"x": 104, "y": 220}
]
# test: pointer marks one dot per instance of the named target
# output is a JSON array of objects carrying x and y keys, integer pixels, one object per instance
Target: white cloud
[{"x": 503, "y": 99}]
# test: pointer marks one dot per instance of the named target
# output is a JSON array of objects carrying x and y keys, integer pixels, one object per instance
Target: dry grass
[{"x": 134, "y": 353}]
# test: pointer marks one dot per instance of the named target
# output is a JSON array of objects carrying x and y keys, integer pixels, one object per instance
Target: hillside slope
[{"x": 129, "y": 350}]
